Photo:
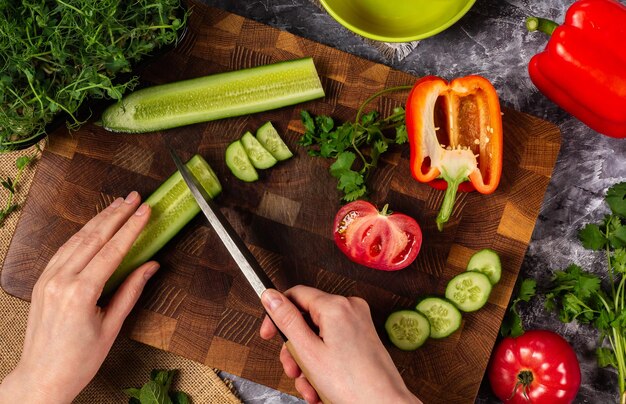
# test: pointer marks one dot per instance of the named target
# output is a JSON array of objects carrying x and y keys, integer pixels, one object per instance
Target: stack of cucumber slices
[
  {"x": 438, "y": 317},
  {"x": 249, "y": 153}
]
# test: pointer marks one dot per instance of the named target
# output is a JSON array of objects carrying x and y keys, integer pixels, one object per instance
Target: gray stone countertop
[{"x": 491, "y": 40}]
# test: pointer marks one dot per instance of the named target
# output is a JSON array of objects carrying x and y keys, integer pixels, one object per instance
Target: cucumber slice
[
  {"x": 239, "y": 163},
  {"x": 214, "y": 97},
  {"x": 407, "y": 329},
  {"x": 469, "y": 291},
  {"x": 270, "y": 139},
  {"x": 486, "y": 261},
  {"x": 258, "y": 155},
  {"x": 173, "y": 207},
  {"x": 443, "y": 316}
]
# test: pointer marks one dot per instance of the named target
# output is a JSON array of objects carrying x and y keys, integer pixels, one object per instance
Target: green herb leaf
[
  {"x": 606, "y": 357},
  {"x": 163, "y": 377},
  {"x": 616, "y": 199},
  {"x": 512, "y": 323},
  {"x": 132, "y": 392},
  {"x": 180, "y": 398},
  {"x": 154, "y": 393},
  {"x": 591, "y": 237}
]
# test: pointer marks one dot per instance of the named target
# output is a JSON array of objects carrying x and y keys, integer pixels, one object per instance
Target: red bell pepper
[
  {"x": 455, "y": 134},
  {"x": 583, "y": 68}
]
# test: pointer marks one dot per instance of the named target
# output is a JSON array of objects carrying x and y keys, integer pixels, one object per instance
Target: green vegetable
[
  {"x": 512, "y": 323},
  {"x": 11, "y": 185},
  {"x": 469, "y": 291},
  {"x": 443, "y": 316},
  {"x": 268, "y": 136},
  {"x": 157, "y": 390},
  {"x": 365, "y": 137},
  {"x": 239, "y": 163},
  {"x": 259, "y": 156},
  {"x": 214, "y": 97},
  {"x": 57, "y": 54},
  {"x": 173, "y": 206},
  {"x": 407, "y": 329},
  {"x": 579, "y": 295},
  {"x": 486, "y": 261}
]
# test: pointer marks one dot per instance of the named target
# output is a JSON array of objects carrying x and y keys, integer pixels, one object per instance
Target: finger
[
  {"x": 289, "y": 320},
  {"x": 104, "y": 263},
  {"x": 290, "y": 366},
  {"x": 85, "y": 244},
  {"x": 126, "y": 296},
  {"x": 307, "y": 299},
  {"x": 268, "y": 329},
  {"x": 306, "y": 390}
]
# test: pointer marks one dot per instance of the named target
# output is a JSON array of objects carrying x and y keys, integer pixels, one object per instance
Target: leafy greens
[
  {"x": 54, "y": 54},
  {"x": 579, "y": 295},
  {"x": 346, "y": 142},
  {"x": 157, "y": 390}
]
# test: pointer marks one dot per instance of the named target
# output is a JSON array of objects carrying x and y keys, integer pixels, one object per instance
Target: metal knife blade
[{"x": 250, "y": 267}]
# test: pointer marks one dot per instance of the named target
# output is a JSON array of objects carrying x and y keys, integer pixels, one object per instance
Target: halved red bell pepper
[
  {"x": 455, "y": 134},
  {"x": 583, "y": 68}
]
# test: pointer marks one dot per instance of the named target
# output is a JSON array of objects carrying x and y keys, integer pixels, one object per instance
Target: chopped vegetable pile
[{"x": 56, "y": 54}]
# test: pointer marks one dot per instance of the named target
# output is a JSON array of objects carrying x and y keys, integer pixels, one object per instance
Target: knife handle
[{"x": 304, "y": 370}]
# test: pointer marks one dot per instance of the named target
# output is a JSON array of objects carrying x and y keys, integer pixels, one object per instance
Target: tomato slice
[{"x": 379, "y": 240}]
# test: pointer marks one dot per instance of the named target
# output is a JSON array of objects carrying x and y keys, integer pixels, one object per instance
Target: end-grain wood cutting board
[{"x": 199, "y": 306}]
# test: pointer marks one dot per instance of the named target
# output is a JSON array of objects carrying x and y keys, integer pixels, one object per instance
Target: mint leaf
[
  {"x": 180, "y": 398},
  {"x": 163, "y": 377},
  {"x": 154, "y": 393},
  {"x": 132, "y": 392},
  {"x": 591, "y": 237},
  {"x": 616, "y": 199}
]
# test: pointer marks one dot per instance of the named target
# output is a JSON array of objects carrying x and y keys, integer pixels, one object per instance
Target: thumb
[
  {"x": 288, "y": 319},
  {"x": 127, "y": 295}
]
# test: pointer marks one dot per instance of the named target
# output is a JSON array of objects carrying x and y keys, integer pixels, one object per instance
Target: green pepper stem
[
  {"x": 541, "y": 24},
  {"x": 448, "y": 203}
]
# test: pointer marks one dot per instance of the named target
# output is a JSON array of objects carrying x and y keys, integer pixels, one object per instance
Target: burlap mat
[{"x": 128, "y": 364}]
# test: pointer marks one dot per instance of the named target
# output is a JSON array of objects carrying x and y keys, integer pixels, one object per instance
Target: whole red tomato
[
  {"x": 537, "y": 367},
  {"x": 377, "y": 239}
]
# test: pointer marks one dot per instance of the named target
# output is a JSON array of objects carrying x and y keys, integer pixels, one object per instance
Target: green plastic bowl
[{"x": 397, "y": 20}]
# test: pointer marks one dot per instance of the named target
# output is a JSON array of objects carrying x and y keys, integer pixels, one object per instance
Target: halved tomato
[{"x": 380, "y": 240}]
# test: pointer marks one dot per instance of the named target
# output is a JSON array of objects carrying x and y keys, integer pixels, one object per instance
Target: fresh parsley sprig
[
  {"x": 355, "y": 146},
  {"x": 579, "y": 295}
]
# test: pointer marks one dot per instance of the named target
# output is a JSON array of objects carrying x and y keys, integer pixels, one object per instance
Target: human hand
[
  {"x": 346, "y": 362},
  {"x": 68, "y": 335}
]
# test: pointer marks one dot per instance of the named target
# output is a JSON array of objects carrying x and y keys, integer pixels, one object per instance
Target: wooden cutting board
[{"x": 199, "y": 306}]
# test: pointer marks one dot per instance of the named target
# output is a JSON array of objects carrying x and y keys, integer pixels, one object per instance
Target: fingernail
[
  {"x": 131, "y": 197},
  {"x": 271, "y": 299},
  {"x": 143, "y": 209},
  {"x": 151, "y": 271},
  {"x": 117, "y": 202}
]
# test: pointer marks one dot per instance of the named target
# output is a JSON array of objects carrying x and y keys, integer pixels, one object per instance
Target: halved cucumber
[
  {"x": 239, "y": 163},
  {"x": 407, "y": 329},
  {"x": 486, "y": 261},
  {"x": 443, "y": 316},
  {"x": 172, "y": 207},
  {"x": 213, "y": 97},
  {"x": 469, "y": 291},
  {"x": 270, "y": 139},
  {"x": 258, "y": 155}
]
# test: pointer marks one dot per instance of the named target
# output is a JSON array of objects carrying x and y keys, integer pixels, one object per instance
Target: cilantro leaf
[
  {"x": 512, "y": 323},
  {"x": 591, "y": 237},
  {"x": 606, "y": 357},
  {"x": 616, "y": 199}
]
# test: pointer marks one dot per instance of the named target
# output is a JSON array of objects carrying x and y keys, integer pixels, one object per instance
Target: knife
[{"x": 249, "y": 266}]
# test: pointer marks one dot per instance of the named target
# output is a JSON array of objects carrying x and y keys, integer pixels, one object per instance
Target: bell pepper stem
[
  {"x": 448, "y": 203},
  {"x": 541, "y": 24}
]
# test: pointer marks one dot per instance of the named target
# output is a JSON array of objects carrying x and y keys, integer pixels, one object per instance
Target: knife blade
[{"x": 246, "y": 261}]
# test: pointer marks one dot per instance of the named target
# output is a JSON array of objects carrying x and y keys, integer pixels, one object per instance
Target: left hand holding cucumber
[{"x": 68, "y": 335}]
